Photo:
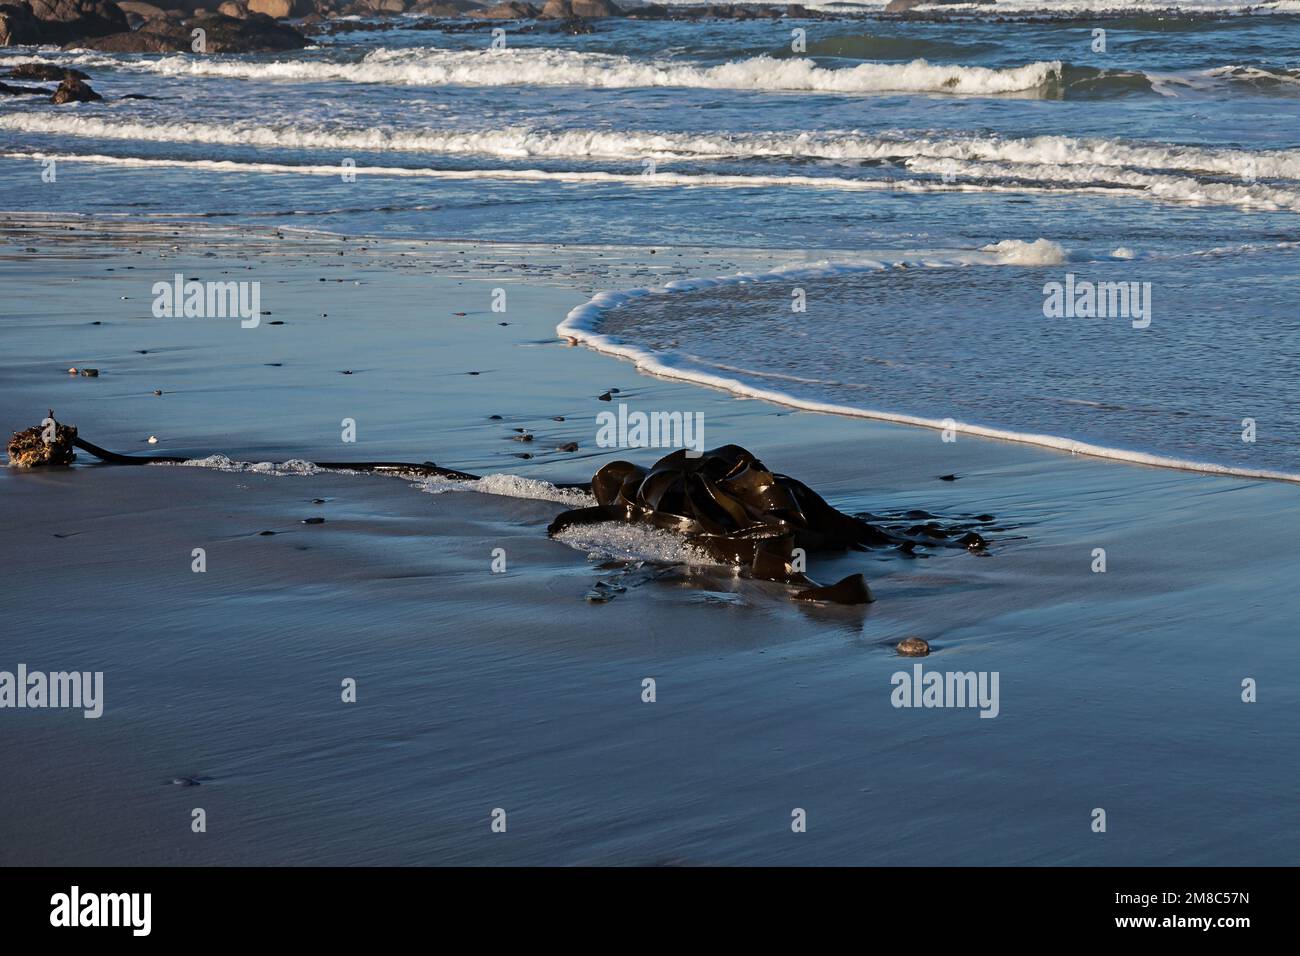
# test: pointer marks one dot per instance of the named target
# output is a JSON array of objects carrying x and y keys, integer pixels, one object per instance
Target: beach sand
[{"x": 477, "y": 690}]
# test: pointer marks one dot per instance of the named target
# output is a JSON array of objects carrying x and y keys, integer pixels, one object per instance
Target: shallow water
[
  {"x": 632, "y": 158},
  {"x": 1170, "y": 161}
]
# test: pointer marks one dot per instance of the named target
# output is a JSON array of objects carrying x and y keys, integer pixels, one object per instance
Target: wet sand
[{"x": 479, "y": 690}]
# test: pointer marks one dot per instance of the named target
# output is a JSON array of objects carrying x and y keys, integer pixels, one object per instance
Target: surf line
[{"x": 580, "y": 327}]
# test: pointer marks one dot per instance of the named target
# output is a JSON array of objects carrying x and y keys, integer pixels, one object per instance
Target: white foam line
[
  {"x": 433, "y": 66},
  {"x": 1195, "y": 194},
  {"x": 510, "y": 486},
  {"x": 506, "y": 485},
  {"x": 1173, "y": 188},
  {"x": 580, "y": 326},
  {"x": 1051, "y": 153}
]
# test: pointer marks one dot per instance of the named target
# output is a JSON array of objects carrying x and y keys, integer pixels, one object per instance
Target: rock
[
  {"x": 902, "y": 6},
  {"x": 45, "y": 71},
  {"x": 234, "y": 8},
  {"x": 62, "y": 21},
  {"x": 913, "y": 647},
  {"x": 155, "y": 36},
  {"x": 510, "y": 10},
  {"x": 587, "y": 9},
  {"x": 444, "y": 8},
  {"x": 75, "y": 91},
  {"x": 281, "y": 9},
  {"x": 18, "y": 25},
  {"x": 7, "y": 90},
  {"x": 145, "y": 11},
  {"x": 256, "y": 34}
]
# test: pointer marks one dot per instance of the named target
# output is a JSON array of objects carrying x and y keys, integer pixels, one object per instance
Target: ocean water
[{"x": 928, "y": 182}]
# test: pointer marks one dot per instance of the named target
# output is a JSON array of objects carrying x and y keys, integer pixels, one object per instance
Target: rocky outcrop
[
  {"x": 256, "y": 34},
  {"x": 7, "y": 90},
  {"x": 586, "y": 9},
  {"x": 45, "y": 71},
  {"x": 155, "y": 36},
  {"x": 73, "y": 90},
  {"x": 444, "y": 8},
  {"x": 64, "y": 20},
  {"x": 510, "y": 10},
  {"x": 235, "y": 9},
  {"x": 902, "y": 6},
  {"x": 18, "y": 25},
  {"x": 281, "y": 9},
  {"x": 144, "y": 11}
]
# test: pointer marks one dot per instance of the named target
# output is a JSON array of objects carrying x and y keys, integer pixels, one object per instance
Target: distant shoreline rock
[
  {"x": 73, "y": 90},
  {"x": 58, "y": 21},
  {"x": 140, "y": 27},
  {"x": 902, "y": 6},
  {"x": 255, "y": 33}
]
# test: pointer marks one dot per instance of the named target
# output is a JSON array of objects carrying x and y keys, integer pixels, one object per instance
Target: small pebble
[
  {"x": 607, "y": 397},
  {"x": 568, "y": 446},
  {"x": 153, "y": 439},
  {"x": 313, "y": 520},
  {"x": 157, "y": 391},
  {"x": 90, "y": 372}
]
